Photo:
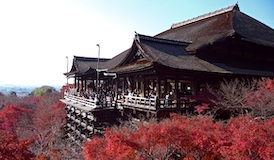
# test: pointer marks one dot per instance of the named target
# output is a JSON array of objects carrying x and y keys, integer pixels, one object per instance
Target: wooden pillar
[
  {"x": 85, "y": 82},
  {"x": 146, "y": 87},
  {"x": 75, "y": 78},
  {"x": 117, "y": 86},
  {"x": 184, "y": 87},
  {"x": 143, "y": 87},
  {"x": 165, "y": 84},
  {"x": 82, "y": 83},
  {"x": 196, "y": 87},
  {"x": 136, "y": 84},
  {"x": 158, "y": 93},
  {"x": 123, "y": 85},
  {"x": 176, "y": 93},
  {"x": 158, "y": 87},
  {"x": 78, "y": 83}
]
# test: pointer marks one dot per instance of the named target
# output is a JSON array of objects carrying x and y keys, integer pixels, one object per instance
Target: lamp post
[{"x": 97, "y": 77}]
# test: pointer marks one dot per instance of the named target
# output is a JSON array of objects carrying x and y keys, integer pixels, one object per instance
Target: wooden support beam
[{"x": 176, "y": 94}]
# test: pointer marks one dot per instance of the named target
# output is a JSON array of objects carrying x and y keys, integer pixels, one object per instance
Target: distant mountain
[{"x": 20, "y": 90}]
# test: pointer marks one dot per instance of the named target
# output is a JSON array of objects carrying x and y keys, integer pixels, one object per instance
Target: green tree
[{"x": 44, "y": 90}]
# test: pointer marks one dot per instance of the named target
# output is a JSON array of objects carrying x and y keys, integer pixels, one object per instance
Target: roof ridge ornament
[
  {"x": 137, "y": 37},
  {"x": 207, "y": 15}
]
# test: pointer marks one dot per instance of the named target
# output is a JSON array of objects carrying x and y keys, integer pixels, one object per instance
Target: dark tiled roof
[
  {"x": 169, "y": 54},
  {"x": 173, "y": 48},
  {"x": 253, "y": 30},
  {"x": 132, "y": 68},
  {"x": 218, "y": 25},
  {"x": 115, "y": 61},
  {"x": 172, "y": 54},
  {"x": 82, "y": 65}
]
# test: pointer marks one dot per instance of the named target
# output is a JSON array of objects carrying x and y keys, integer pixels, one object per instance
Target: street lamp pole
[{"x": 98, "y": 60}]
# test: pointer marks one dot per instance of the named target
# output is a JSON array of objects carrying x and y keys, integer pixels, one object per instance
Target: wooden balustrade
[
  {"x": 85, "y": 104},
  {"x": 154, "y": 103},
  {"x": 81, "y": 119},
  {"x": 80, "y": 102},
  {"x": 140, "y": 102}
]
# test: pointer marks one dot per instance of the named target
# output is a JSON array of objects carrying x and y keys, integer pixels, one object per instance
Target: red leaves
[
  {"x": 250, "y": 139},
  {"x": 269, "y": 84},
  {"x": 92, "y": 152},
  {"x": 12, "y": 148},
  {"x": 187, "y": 138},
  {"x": 202, "y": 108},
  {"x": 33, "y": 128},
  {"x": 10, "y": 115}
]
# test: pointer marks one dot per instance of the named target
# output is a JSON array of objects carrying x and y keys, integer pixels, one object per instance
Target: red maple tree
[
  {"x": 12, "y": 148},
  {"x": 181, "y": 137}
]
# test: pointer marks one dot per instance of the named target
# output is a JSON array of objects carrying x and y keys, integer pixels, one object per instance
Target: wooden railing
[
  {"x": 140, "y": 102},
  {"x": 81, "y": 102},
  {"x": 130, "y": 101},
  {"x": 174, "y": 103},
  {"x": 155, "y": 103}
]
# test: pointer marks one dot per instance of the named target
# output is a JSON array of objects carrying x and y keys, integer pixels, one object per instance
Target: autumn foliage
[
  {"x": 13, "y": 148},
  {"x": 245, "y": 135},
  {"x": 32, "y": 128},
  {"x": 10, "y": 116},
  {"x": 236, "y": 97},
  {"x": 184, "y": 137}
]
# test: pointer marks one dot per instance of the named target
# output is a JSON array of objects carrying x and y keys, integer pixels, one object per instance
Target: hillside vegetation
[
  {"x": 32, "y": 128},
  {"x": 43, "y": 91},
  {"x": 233, "y": 122}
]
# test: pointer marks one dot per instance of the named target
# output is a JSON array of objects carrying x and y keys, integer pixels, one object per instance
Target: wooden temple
[{"x": 154, "y": 76}]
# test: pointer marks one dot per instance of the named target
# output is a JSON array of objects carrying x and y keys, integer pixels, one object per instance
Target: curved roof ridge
[
  {"x": 81, "y": 58},
  {"x": 161, "y": 40},
  {"x": 208, "y": 15}
]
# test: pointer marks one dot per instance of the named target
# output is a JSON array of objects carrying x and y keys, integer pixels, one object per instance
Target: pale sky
[{"x": 37, "y": 35}]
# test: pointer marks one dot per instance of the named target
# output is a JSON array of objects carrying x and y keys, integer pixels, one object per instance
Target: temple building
[{"x": 154, "y": 76}]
